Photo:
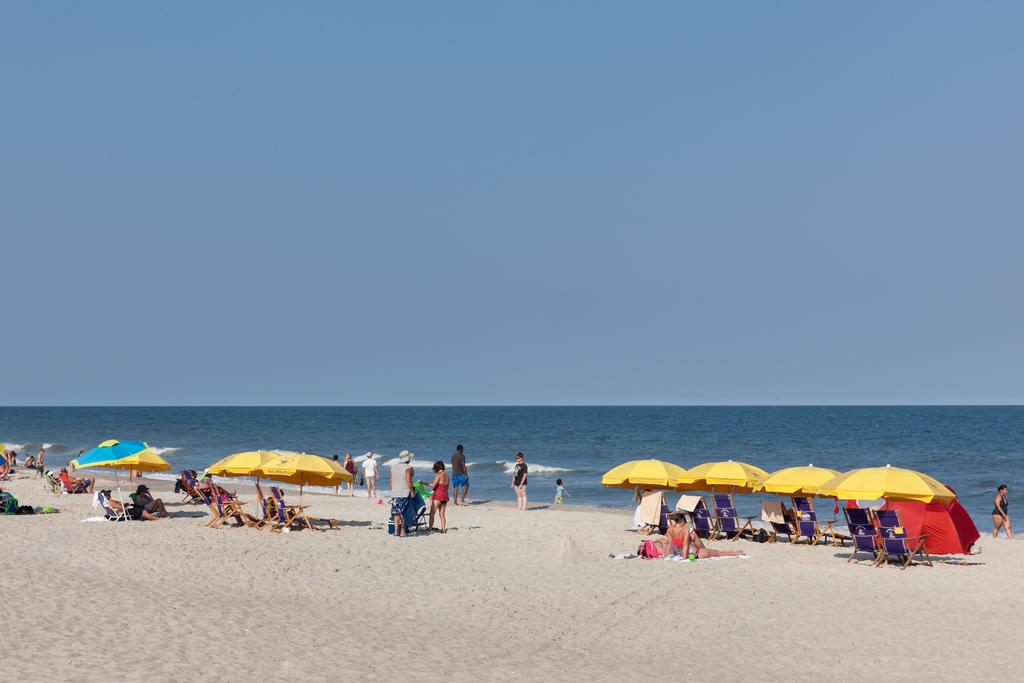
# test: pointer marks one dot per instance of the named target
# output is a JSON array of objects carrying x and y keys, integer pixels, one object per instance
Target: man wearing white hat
[{"x": 401, "y": 481}]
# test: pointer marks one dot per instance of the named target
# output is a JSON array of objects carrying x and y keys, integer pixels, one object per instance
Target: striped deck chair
[
  {"x": 864, "y": 533},
  {"x": 896, "y": 544},
  {"x": 808, "y": 525},
  {"x": 779, "y": 519},
  {"x": 729, "y": 522}
]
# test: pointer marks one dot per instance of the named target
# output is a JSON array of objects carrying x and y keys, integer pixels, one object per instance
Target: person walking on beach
[
  {"x": 370, "y": 475},
  {"x": 350, "y": 467},
  {"x": 39, "y": 462},
  {"x": 519, "y": 473},
  {"x": 1001, "y": 513},
  {"x": 439, "y": 498},
  {"x": 460, "y": 475},
  {"x": 560, "y": 492}
]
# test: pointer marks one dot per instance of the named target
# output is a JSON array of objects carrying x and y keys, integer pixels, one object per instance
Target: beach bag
[
  {"x": 648, "y": 550},
  {"x": 760, "y": 536},
  {"x": 25, "y": 510}
]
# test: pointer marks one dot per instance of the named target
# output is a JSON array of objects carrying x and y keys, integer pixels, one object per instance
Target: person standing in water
[
  {"x": 519, "y": 475},
  {"x": 460, "y": 476},
  {"x": 1001, "y": 513}
]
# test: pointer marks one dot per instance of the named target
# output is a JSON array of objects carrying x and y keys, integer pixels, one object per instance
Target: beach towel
[
  {"x": 650, "y": 508},
  {"x": 688, "y": 503},
  {"x": 772, "y": 512}
]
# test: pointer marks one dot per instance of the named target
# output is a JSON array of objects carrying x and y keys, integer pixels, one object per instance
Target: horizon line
[{"x": 521, "y": 405}]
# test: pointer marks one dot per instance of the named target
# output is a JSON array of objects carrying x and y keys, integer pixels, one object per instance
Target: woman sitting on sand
[
  {"x": 133, "y": 511},
  {"x": 679, "y": 539},
  {"x": 145, "y": 500}
]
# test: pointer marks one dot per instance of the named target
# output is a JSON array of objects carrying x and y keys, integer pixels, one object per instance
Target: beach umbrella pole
[{"x": 120, "y": 495}]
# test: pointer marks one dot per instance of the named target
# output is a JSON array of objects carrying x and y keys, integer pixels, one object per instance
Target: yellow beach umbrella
[
  {"x": 727, "y": 474},
  {"x": 244, "y": 464},
  {"x": 871, "y": 483},
  {"x": 654, "y": 474},
  {"x": 797, "y": 480},
  {"x": 304, "y": 469}
]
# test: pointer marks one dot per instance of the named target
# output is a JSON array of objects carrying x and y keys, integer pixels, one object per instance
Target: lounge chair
[
  {"x": 779, "y": 519},
  {"x": 701, "y": 519},
  {"x": 412, "y": 509},
  {"x": 80, "y": 487},
  {"x": 293, "y": 516},
  {"x": 115, "y": 516},
  {"x": 191, "y": 487},
  {"x": 728, "y": 521},
  {"x": 896, "y": 544},
  {"x": 861, "y": 523},
  {"x": 223, "y": 510},
  {"x": 808, "y": 524},
  {"x": 53, "y": 482},
  {"x": 653, "y": 512}
]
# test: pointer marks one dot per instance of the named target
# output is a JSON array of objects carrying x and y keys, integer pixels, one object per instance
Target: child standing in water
[{"x": 559, "y": 492}]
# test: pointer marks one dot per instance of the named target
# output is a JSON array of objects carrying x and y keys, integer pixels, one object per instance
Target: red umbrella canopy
[{"x": 949, "y": 528}]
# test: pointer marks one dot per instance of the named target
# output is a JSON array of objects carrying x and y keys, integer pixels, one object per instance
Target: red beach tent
[{"x": 949, "y": 528}]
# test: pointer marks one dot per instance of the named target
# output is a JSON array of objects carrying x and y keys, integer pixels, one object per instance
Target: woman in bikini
[{"x": 681, "y": 540}]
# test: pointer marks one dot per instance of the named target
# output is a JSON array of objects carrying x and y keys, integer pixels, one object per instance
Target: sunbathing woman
[{"x": 682, "y": 540}]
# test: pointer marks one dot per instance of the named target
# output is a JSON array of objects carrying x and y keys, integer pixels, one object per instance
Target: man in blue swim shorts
[{"x": 460, "y": 476}]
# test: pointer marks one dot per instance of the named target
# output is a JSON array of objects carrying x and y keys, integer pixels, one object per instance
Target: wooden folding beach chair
[
  {"x": 729, "y": 522},
  {"x": 286, "y": 515},
  {"x": 191, "y": 487},
  {"x": 808, "y": 525},
  {"x": 896, "y": 544},
  {"x": 701, "y": 519},
  {"x": 223, "y": 510},
  {"x": 779, "y": 520},
  {"x": 864, "y": 533}
]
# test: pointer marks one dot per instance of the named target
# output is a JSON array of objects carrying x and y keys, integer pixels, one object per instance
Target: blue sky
[{"x": 466, "y": 203}]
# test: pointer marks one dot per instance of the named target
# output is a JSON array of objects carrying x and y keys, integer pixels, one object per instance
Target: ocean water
[{"x": 972, "y": 449}]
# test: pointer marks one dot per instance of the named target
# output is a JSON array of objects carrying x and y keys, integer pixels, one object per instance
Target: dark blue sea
[{"x": 971, "y": 449}]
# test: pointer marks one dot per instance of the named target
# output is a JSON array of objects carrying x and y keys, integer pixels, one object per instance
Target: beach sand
[{"x": 503, "y": 596}]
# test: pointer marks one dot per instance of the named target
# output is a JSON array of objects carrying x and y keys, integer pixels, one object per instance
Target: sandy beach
[{"x": 502, "y": 596}]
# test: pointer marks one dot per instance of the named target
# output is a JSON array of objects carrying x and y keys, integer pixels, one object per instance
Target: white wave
[
  {"x": 533, "y": 468},
  {"x": 162, "y": 476},
  {"x": 16, "y": 446},
  {"x": 416, "y": 464},
  {"x": 164, "y": 450},
  {"x": 48, "y": 446}
]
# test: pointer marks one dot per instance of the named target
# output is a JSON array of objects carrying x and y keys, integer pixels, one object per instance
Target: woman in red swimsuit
[{"x": 439, "y": 498}]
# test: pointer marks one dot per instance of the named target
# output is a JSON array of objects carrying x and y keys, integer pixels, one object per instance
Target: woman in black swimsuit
[{"x": 1001, "y": 514}]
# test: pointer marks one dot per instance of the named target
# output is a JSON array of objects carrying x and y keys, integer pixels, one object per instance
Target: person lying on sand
[{"x": 681, "y": 540}]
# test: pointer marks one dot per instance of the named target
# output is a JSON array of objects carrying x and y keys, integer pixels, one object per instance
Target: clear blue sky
[{"x": 463, "y": 203}]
